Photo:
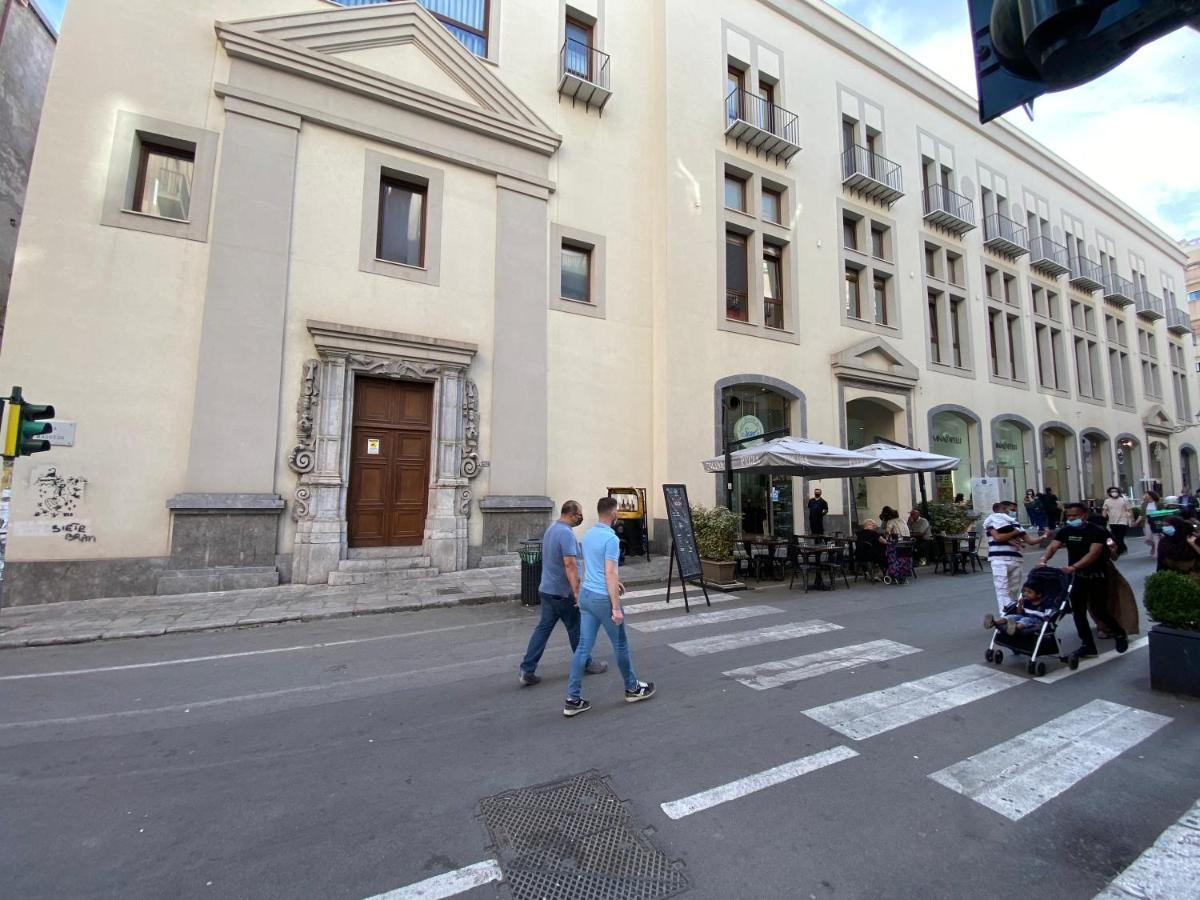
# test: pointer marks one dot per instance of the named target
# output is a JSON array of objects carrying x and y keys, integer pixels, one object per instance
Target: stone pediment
[
  {"x": 397, "y": 53},
  {"x": 1158, "y": 420},
  {"x": 875, "y": 360}
]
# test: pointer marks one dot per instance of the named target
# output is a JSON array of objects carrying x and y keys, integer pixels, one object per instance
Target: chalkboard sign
[{"x": 679, "y": 514}]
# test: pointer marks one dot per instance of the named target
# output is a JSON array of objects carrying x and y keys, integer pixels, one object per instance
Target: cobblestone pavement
[{"x": 127, "y": 617}]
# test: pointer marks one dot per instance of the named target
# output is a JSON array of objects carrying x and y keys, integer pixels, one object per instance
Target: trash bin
[{"x": 531, "y": 571}]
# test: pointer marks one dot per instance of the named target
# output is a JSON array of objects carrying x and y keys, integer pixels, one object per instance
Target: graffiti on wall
[{"x": 58, "y": 496}]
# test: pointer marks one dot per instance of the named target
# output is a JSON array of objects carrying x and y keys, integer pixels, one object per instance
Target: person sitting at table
[
  {"x": 921, "y": 531},
  {"x": 869, "y": 549},
  {"x": 893, "y": 525}
]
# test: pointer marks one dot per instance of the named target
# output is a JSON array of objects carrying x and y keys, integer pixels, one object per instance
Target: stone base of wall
[
  {"x": 29, "y": 583},
  {"x": 508, "y": 520}
]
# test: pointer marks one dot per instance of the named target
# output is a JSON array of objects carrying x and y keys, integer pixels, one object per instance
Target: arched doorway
[
  {"x": 1187, "y": 468},
  {"x": 1097, "y": 470},
  {"x": 1129, "y": 465},
  {"x": 866, "y": 419},
  {"x": 1159, "y": 466},
  {"x": 1012, "y": 448},
  {"x": 765, "y": 503},
  {"x": 1057, "y": 452},
  {"x": 953, "y": 433}
]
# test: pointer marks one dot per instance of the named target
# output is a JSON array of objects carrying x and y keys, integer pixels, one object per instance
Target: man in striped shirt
[{"x": 1004, "y": 536}]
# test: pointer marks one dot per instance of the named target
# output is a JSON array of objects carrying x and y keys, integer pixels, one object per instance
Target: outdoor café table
[
  {"x": 811, "y": 554},
  {"x": 953, "y": 546},
  {"x": 762, "y": 551}
]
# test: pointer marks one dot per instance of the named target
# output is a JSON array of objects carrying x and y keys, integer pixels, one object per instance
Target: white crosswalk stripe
[
  {"x": 768, "y": 635},
  {"x": 448, "y": 884},
  {"x": 874, "y": 713},
  {"x": 676, "y": 592},
  {"x": 677, "y": 809},
  {"x": 1169, "y": 868},
  {"x": 1018, "y": 776},
  {"x": 705, "y": 618},
  {"x": 1064, "y": 672},
  {"x": 676, "y": 604},
  {"x": 768, "y": 675}
]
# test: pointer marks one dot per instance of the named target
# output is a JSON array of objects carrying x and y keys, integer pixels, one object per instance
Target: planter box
[
  {"x": 717, "y": 571},
  {"x": 1175, "y": 660}
]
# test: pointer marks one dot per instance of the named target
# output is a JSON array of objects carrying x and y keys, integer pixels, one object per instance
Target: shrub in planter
[
  {"x": 716, "y": 531},
  {"x": 1173, "y": 601},
  {"x": 946, "y": 518}
]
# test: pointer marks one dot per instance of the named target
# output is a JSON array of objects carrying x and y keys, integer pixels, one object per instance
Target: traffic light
[
  {"x": 1026, "y": 48},
  {"x": 25, "y": 426}
]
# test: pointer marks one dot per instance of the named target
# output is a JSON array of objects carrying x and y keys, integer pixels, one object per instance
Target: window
[
  {"x": 868, "y": 259},
  {"x": 735, "y": 192},
  {"x": 772, "y": 286},
  {"x": 401, "y": 222},
  {"x": 933, "y": 261},
  {"x": 853, "y": 298},
  {"x": 935, "y": 340},
  {"x": 994, "y": 340},
  {"x": 879, "y": 289},
  {"x": 164, "y": 181},
  {"x": 879, "y": 241},
  {"x": 734, "y": 91},
  {"x": 467, "y": 20},
  {"x": 849, "y": 233},
  {"x": 1016, "y": 349},
  {"x": 948, "y": 328},
  {"x": 579, "y": 48},
  {"x": 1005, "y": 341},
  {"x": 736, "y": 293},
  {"x": 956, "y": 337},
  {"x": 772, "y": 205},
  {"x": 575, "y": 280}
]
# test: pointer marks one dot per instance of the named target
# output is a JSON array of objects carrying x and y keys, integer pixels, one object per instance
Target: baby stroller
[
  {"x": 899, "y": 561},
  {"x": 1054, "y": 585}
]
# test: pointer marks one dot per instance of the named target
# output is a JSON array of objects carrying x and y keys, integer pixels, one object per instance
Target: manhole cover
[{"x": 572, "y": 839}]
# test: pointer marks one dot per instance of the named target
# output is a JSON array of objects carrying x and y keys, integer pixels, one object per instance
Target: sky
[
  {"x": 53, "y": 9},
  {"x": 1134, "y": 130}
]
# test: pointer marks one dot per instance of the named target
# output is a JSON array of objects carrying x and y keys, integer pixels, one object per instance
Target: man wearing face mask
[
  {"x": 1119, "y": 514},
  {"x": 1086, "y": 550}
]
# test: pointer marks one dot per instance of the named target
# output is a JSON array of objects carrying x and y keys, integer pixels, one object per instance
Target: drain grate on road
[{"x": 573, "y": 840}]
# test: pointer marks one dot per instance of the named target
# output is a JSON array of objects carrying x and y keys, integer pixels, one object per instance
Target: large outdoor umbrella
[
  {"x": 895, "y": 460},
  {"x": 798, "y": 456}
]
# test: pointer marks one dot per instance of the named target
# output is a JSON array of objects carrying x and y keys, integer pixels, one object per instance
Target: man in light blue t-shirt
[{"x": 600, "y": 607}]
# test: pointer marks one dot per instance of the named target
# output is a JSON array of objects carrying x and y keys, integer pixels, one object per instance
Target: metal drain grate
[{"x": 572, "y": 840}]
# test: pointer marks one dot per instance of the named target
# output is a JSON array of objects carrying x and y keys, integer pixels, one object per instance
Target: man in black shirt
[
  {"x": 1087, "y": 553},
  {"x": 817, "y": 508}
]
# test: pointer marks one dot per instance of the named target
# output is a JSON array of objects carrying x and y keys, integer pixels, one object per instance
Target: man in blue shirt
[
  {"x": 600, "y": 607},
  {"x": 557, "y": 592}
]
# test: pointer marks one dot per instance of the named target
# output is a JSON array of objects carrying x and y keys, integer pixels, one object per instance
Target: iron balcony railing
[
  {"x": 872, "y": 175},
  {"x": 1118, "y": 289},
  {"x": 1048, "y": 256},
  {"x": 1086, "y": 274},
  {"x": 761, "y": 125},
  {"x": 1178, "y": 321},
  {"x": 948, "y": 209},
  {"x": 1003, "y": 235},
  {"x": 583, "y": 73},
  {"x": 1148, "y": 306}
]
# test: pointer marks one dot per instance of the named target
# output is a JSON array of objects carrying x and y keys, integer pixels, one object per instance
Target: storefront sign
[
  {"x": 683, "y": 538},
  {"x": 747, "y": 427}
]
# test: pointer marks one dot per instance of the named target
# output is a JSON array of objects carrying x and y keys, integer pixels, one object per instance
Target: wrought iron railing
[
  {"x": 861, "y": 161},
  {"x": 578, "y": 59},
  {"x": 1116, "y": 286},
  {"x": 940, "y": 199},
  {"x": 1044, "y": 249},
  {"x": 1146, "y": 302},
  {"x": 762, "y": 114},
  {"x": 1001, "y": 228},
  {"x": 1084, "y": 268}
]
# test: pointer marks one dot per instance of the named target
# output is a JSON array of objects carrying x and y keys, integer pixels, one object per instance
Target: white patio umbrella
[
  {"x": 798, "y": 456},
  {"x": 895, "y": 460}
]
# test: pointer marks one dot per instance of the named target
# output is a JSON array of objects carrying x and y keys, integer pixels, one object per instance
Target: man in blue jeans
[
  {"x": 557, "y": 592},
  {"x": 600, "y": 607}
]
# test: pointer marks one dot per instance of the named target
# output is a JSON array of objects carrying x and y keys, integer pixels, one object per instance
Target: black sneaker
[
  {"x": 1122, "y": 641},
  {"x": 595, "y": 667},
  {"x": 644, "y": 691},
  {"x": 1085, "y": 653},
  {"x": 574, "y": 707},
  {"x": 528, "y": 678}
]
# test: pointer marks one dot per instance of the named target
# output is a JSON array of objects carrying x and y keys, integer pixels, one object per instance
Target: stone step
[
  {"x": 201, "y": 581},
  {"x": 501, "y": 560},
  {"x": 382, "y": 579},
  {"x": 385, "y": 552},
  {"x": 384, "y": 564}
]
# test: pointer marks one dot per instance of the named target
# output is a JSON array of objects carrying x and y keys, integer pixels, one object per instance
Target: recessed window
[
  {"x": 879, "y": 290},
  {"x": 853, "y": 294},
  {"x": 467, "y": 20},
  {"x": 164, "y": 181},
  {"x": 736, "y": 281},
  {"x": 579, "y": 48},
  {"x": 879, "y": 242},
  {"x": 772, "y": 286},
  {"x": 850, "y": 232},
  {"x": 935, "y": 333},
  {"x": 954, "y": 269},
  {"x": 576, "y": 274},
  {"x": 933, "y": 266},
  {"x": 401, "y": 222},
  {"x": 735, "y": 192},
  {"x": 772, "y": 205}
]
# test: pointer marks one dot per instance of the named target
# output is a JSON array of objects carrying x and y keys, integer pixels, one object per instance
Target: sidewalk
[{"x": 128, "y": 617}]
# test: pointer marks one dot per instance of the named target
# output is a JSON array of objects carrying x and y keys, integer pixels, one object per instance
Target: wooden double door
[{"x": 389, "y": 463}]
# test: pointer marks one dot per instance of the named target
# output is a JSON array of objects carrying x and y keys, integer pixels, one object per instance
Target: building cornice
[{"x": 895, "y": 65}]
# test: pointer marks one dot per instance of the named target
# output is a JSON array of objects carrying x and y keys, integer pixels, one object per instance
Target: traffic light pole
[{"x": 6, "y": 479}]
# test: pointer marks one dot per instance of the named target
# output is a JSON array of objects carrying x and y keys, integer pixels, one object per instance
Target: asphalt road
[{"x": 348, "y": 758}]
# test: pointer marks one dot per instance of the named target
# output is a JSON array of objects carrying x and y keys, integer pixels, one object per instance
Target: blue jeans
[
  {"x": 596, "y": 613},
  {"x": 553, "y": 608}
]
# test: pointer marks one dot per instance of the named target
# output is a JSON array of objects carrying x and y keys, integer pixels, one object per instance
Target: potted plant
[
  {"x": 1173, "y": 601},
  {"x": 716, "y": 531},
  {"x": 946, "y": 518}
]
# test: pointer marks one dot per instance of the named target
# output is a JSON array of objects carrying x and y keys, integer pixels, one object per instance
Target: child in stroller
[{"x": 1028, "y": 626}]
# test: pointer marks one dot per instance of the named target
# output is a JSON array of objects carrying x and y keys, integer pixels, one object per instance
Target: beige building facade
[{"x": 321, "y": 287}]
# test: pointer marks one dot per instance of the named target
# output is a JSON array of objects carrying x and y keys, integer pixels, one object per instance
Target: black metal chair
[{"x": 835, "y": 565}]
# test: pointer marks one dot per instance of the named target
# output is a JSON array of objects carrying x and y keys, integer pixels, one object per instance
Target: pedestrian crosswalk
[
  {"x": 785, "y": 671},
  {"x": 768, "y": 635},
  {"x": 693, "y": 620}
]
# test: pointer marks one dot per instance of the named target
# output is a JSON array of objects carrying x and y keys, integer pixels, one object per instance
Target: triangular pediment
[
  {"x": 874, "y": 359},
  {"x": 1157, "y": 419},
  {"x": 397, "y": 53}
]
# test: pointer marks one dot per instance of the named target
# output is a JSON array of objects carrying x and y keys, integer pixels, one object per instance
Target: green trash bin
[
  {"x": 531, "y": 571},
  {"x": 1157, "y": 519}
]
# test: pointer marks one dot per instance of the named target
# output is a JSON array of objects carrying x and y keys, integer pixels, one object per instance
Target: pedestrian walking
[
  {"x": 1004, "y": 536},
  {"x": 1086, "y": 560},
  {"x": 557, "y": 592},
  {"x": 1150, "y": 501},
  {"x": 1033, "y": 510},
  {"x": 818, "y": 508},
  {"x": 1050, "y": 508},
  {"x": 1118, "y": 512},
  {"x": 600, "y": 607}
]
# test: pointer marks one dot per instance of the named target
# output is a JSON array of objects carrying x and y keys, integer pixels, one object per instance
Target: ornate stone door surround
[{"x": 321, "y": 456}]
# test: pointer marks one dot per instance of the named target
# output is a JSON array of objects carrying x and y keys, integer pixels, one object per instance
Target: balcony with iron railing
[
  {"x": 1048, "y": 256},
  {"x": 871, "y": 175},
  {"x": 1148, "y": 306},
  {"x": 1085, "y": 274},
  {"x": 1004, "y": 236},
  {"x": 948, "y": 210},
  {"x": 1117, "y": 289},
  {"x": 583, "y": 74},
  {"x": 762, "y": 126},
  {"x": 1178, "y": 321}
]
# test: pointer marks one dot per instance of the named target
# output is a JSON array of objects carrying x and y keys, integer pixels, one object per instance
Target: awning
[
  {"x": 903, "y": 461},
  {"x": 799, "y": 456}
]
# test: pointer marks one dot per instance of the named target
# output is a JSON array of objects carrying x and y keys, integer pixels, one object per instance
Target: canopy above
[
  {"x": 895, "y": 460},
  {"x": 798, "y": 456}
]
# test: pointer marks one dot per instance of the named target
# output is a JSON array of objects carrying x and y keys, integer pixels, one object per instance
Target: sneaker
[
  {"x": 574, "y": 707},
  {"x": 1085, "y": 653},
  {"x": 1010, "y": 627},
  {"x": 528, "y": 678},
  {"x": 643, "y": 691},
  {"x": 989, "y": 621},
  {"x": 1122, "y": 643},
  {"x": 595, "y": 667}
]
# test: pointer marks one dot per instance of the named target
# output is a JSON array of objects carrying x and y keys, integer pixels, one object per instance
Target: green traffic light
[{"x": 30, "y": 428}]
